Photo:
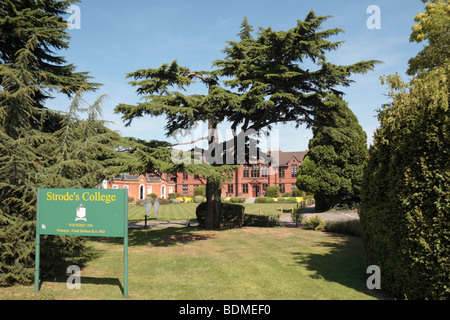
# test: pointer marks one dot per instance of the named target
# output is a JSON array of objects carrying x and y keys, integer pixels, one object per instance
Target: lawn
[
  {"x": 187, "y": 263},
  {"x": 181, "y": 212}
]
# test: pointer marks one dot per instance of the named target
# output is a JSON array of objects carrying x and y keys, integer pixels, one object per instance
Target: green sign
[
  {"x": 82, "y": 212},
  {"x": 92, "y": 213}
]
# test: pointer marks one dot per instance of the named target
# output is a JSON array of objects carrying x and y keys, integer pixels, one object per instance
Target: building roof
[
  {"x": 284, "y": 157},
  {"x": 127, "y": 178}
]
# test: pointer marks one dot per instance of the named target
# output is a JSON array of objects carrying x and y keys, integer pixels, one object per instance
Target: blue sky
[{"x": 119, "y": 37}]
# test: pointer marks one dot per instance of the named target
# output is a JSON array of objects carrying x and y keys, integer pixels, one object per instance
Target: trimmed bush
[
  {"x": 273, "y": 192},
  {"x": 253, "y": 220},
  {"x": 198, "y": 199},
  {"x": 231, "y": 215},
  {"x": 260, "y": 200},
  {"x": 237, "y": 200},
  {"x": 287, "y": 199},
  {"x": 264, "y": 200}
]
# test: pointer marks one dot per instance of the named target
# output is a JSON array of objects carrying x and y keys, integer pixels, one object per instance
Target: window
[
  {"x": 293, "y": 187},
  {"x": 264, "y": 187},
  {"x": 230, "y": 188},
  {"x": 294, "y": 170},
  {"x": 245, "y": 188},
  {"x": 149, "y": 190},
  {"x": 125, "y": 187},
  {"x": 264, "y": 170},
  {"x": 281, "y": 173},
  {"x": 185, "y": 176},
  {"x": 141, "y": 192},
  {"x": 282, "y": 188},
  {"x": 255, "y": 171},
  {"x": 245, "y": 175},
  {"x": 185, "y": 189},
  {"x": 115, "y": 187}
]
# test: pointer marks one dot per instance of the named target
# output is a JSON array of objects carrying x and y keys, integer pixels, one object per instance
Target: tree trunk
[
  {"x": 213, "y": 192},
  {"x": 213, "y": 184}
]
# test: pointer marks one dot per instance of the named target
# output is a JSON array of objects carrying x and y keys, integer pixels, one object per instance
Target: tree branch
[{"x": 190, "y": 142}]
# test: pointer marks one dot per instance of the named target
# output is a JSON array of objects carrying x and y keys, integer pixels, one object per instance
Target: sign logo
[{"x": 81, "y": 213}]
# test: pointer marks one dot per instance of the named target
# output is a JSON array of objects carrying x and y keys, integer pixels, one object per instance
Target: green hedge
[
  {"x": 253, "y": 220},
  {"x": 238, "y": 200},
  {"x": 405, "y": 220},
  {"x": 264, "y": 200},
  {"x": 231, "y": 215}
]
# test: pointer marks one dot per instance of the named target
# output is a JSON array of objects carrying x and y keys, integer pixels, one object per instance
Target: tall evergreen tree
[
  {"x": 31, "y": 32},
  {"x": 266, "y": 85},
  {"x": 43, "y": 19},
  {"x": 333, "y": 167}
]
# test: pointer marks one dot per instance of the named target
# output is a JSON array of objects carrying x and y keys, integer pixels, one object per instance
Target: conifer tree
[
  {"x": 333, "y": 167},
  {"x": 30, "y": 70},
  {"x": 260, "y": 82}
]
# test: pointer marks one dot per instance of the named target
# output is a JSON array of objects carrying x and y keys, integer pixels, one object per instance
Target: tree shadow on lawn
[
  {"x": 163, "y": 237},
  {"x": 344, "y": 263},
  {"x": 160, "y": 237},
  {"x": 114, "y": 282}
]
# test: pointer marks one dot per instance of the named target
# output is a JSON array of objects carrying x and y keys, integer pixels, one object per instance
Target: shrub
[
  {"x": 260, "y": 200},
  {"x": 287, "y": 199},
  {"x": 297, "y": 215},
  {"x": 348, "y": 227},
  {"x": 298, "y": 193},
  {"x": 200, "y": 191},
  {"x": 153, "y": 196},
  {"x": 163, "y": 201},
  {"x": 174, "y": 201},
  {"x": 173, "y": 195},
  {"x": 237, "y": 200},
  {"x": 264, "y": 200},
  {"x": 287, "y": 194},
  {"x": 313, "y": 223},
  {"x": 273, "y": 192},
  {"x": 231, "y": 215},
  {"x": 253, "y": 220},
  {"x": 198, "y": 199}
]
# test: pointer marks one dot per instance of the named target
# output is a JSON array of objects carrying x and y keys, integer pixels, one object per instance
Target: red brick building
[{"x": 248, "y": 180}]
